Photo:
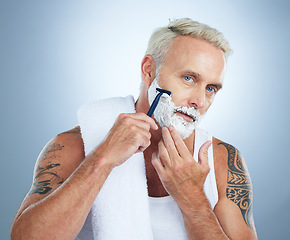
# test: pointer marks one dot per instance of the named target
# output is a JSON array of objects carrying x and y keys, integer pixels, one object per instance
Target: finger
[
  {"x": 203, "y": 153},
  {"x": 144, "y": 117},
  {"x": 179, "y": 143},
  {"x": 163, "y": 154},
  {"x": 157, "y": 164},
  {"x": 139, "y": 124},
  {"x": 131, "y": 121},
  {"x": 169, "y": 144},
  {"x": 143, "y": 138}
]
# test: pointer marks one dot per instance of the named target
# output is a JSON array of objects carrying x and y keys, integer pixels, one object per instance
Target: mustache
[{"x": 189, "y": 111}]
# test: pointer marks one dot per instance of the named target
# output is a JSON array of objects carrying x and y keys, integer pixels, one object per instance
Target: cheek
[
  {"x": 181, "y": 96},
  {"x": 177, "y": 99},
  {"x": 208, "y": 103},
  {"x": 169, "y": 83}
]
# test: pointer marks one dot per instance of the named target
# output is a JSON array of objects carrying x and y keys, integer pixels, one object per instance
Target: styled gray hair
[{"x": 161, "y": 39}]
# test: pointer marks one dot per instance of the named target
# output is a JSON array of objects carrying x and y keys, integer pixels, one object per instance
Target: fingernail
[{"x": 170, "y": 128}]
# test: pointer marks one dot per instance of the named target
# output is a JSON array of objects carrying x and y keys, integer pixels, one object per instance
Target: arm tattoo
[
  {"x": 47, "y": 171},
  {"x": 239, "y": 189},
  {"x": 41, "y": 187}
]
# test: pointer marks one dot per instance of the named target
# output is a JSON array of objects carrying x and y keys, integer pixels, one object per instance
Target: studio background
[{"x": 58, "y": 55}]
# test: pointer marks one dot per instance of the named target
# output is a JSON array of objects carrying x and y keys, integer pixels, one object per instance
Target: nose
[{"x": 197, "y": 98}]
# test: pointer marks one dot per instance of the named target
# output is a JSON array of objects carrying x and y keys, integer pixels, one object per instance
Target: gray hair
[{"x": 161, "y": 39}]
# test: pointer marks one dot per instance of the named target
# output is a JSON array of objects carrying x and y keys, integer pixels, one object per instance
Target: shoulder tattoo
[
  {"x": 239, "y": 186},
  {"x": 75, "y": 130},
  {"x": 46, "y": 172}
]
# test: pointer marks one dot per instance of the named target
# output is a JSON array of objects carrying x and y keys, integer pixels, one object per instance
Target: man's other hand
[{"x": 181, "y": 175}]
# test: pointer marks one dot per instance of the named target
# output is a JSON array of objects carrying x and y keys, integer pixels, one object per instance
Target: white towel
[{"x": 121, "y": 210}]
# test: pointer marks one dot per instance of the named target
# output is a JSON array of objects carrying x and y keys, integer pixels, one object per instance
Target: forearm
[
  {"x": 61, "y": 214},
  {"x": 200, "y": 220}
]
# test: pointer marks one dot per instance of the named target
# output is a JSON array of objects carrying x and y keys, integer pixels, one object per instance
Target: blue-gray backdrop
[{"x": 57, "y": 55}]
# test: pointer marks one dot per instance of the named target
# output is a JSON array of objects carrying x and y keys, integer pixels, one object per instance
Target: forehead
[{"x": 191, "y": 54}]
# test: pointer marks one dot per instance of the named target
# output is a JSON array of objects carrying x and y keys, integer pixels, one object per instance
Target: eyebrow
[
  {"x": 192, "y": 73},
  {"x": 197, "y": 75},
  {"x": 218, "y": 85}
]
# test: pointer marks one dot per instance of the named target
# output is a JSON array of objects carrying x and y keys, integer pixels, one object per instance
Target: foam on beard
[{"x": 166, "y": 109}]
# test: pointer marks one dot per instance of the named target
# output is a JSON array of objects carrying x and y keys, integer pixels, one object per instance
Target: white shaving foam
[{"x": 165, "y": 113}]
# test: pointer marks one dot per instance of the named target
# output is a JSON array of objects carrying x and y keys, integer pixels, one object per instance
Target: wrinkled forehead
[{"x": 194, "y": 54}]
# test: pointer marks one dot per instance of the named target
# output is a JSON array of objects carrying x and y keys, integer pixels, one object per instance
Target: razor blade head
[{"x": 163, "y": 91}]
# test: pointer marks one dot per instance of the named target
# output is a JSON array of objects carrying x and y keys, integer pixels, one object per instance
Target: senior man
[{"x": 121, "y": 174}]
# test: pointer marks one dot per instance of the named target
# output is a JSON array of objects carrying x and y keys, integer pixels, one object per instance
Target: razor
[{"x": 156, "y": 100}]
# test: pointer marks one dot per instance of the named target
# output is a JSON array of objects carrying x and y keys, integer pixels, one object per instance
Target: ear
[{"x": 148, "y": 69}]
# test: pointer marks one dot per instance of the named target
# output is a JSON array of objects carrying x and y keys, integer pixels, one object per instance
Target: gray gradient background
[{"x": 57, "y": 55}]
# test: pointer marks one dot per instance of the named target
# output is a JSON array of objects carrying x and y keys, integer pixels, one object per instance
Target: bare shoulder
[
  {"x": 230, "y": 166},
  {"x": 58, "y": 159},
  {"x": 64, "y": 152},
  {"x": 56, "y": 162},
  {"x": 234, "y": 208}
]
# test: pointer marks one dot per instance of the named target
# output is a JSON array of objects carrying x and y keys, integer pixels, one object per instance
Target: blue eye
[
  {"x": 188, "y": 79},
  {"x": 211, "y": 89}
]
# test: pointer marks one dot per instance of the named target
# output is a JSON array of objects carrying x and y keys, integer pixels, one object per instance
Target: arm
[
  {"x": 66, "y": 183},
  {"x": 55, "y": 207},
  {"x": 234, "y": 208},
  {"x": 183, "y": 178}
]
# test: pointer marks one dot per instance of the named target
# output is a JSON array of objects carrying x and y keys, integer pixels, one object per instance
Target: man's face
[{"x": 193, "y": 71}]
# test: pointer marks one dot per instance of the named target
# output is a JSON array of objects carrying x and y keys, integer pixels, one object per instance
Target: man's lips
[{"x": 186, "y": 117}]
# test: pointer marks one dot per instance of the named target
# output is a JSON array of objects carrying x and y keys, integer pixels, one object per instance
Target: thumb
[{"x": 203, "y": 153}]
